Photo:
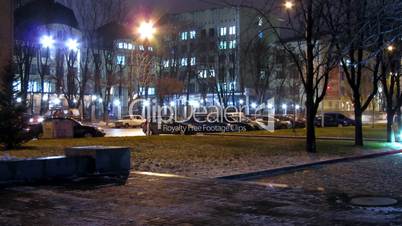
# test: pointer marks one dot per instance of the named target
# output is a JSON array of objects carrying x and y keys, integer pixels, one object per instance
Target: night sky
[{"x": 174, "y": 6}]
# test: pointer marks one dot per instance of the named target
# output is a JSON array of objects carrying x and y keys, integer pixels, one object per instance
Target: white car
[{"x": 130, "y": 121}]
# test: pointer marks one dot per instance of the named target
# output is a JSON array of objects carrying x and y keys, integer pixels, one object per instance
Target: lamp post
[{"x": 146, "y": 32}]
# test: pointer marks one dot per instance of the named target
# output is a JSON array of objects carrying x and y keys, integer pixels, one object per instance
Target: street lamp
[
  {"x": 146, "y": 30},
  {"x": 241, "y": 101},
  {"x": 254, "y": 105},
  {"x": 47, "y": 41},
  {"x": 116, "y": 103},
  {"x": 94, "y": 97},
  {"x": 390, "y": 48},
  {"x": 288, "y": 5},
  {"x": 72, "y": 44},
  {"x": 285, "y": 108}
]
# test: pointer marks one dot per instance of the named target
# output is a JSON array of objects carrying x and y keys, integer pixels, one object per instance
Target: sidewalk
[
  {"x": 288, "y": 137},
  {"x": 164, "y": 200}
]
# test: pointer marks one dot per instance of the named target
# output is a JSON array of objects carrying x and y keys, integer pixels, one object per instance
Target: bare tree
[
  {"x": 43, "y": 63},
  {"x": 312, "y": 51},
  {"x": 24, "y": 53},
  {"x": 359, "y": 29}
]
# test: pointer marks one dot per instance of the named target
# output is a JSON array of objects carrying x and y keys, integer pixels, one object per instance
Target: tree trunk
[
  {"x": 310, "y": 136},
  {"x": 390, "y": 119},
  {"x": 358, "y": 120},
  {"x": 398, "y": 122}
]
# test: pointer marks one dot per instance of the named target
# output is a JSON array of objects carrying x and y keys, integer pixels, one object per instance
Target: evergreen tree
[{"x": 12, "y": 124}]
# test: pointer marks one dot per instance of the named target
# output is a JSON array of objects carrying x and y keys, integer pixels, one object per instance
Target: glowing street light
[
  {"x": 297, "y": 107},
  {"x": 390, "y": 48},
  {"x": 19, "y": 100},
  {"x": 146, "y": 103},
  {"x": 285, "y": 108},
  {"x": 94, "y": 97},
  {"x": 72, "y": 44},
  {"x": 172, "y": 103},
  {"x": 241, "y": 102},
  {"x": 254, "y": 105},
  {"x": 116, "y": 103},
  {"x": 47, "y": 41},
  {"x": 288, "y": 5},
  {"x": 56, "y": 101},
  {"x": 270, "y": 106},
  {"x": 146, "y": 30}
]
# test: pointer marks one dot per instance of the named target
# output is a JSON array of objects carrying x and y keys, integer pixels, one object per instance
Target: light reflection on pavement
[{"x": 132, "y": 132}]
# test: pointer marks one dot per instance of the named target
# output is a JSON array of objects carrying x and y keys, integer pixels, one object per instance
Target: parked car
[
  {"x": 263, "y": 123},
  {"x": 160, "y": 126},
  {"x": 79, "y": 129},
  {"x": 334, "y": 119},
  {"x": 231, "y": 123},
  {"x": 295, "y": 122},
  {"x": 130, "y": 121}
]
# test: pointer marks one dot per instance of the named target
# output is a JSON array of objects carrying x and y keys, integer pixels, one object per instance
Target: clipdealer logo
[{"x": 214, "y": 118}]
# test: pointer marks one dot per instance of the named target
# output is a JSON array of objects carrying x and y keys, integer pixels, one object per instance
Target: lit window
[
  {"x": 192, "y": 34},
  {"x": 183, "y": 62},
  {"x": 232, "y": 30},
  {"x": 141, "y": 47},
  {"x": 33, "y": 86},
  {"x": 17, "y": 86},
  {"x": 150, "y": 49},
  {"x": 151, "y": 91},
  {"x": 47, "y": 87},
  {"x": 120, "y": 45},
  {"x": 183, "y": 36},
  {"x": 232, "y": 44},
  {"x": 121, "y": 60},
  {"x": 223, "y": 31},
  {"x": 166, "y": 63},
  {"x": 130, "y": 46},
  {"x": 192, "y": 61},
  {"x": 125, "y": 46},
  {"x": 260, "y": 21},
  {"x": 222, "y": 45},
  {"x": 206, "y": 73}
]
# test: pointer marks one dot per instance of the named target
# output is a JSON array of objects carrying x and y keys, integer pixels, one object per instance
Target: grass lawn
[
  {"x": 378, "y": 132},
  {"x": 204, "y": 155}
]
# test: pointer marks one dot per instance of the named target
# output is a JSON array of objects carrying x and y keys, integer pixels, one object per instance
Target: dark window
[
  {"x": 211, "y": 32},
  {"x": 203, "y": 33}
]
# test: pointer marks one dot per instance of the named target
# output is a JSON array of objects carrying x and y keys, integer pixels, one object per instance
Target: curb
[
  {"x": 292, "y": 137},
  {"x": 289, "y": 169}
]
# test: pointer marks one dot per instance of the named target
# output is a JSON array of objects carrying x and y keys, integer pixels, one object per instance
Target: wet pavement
[{"x": 148, "y": 199}]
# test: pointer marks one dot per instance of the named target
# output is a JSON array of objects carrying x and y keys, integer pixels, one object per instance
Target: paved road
[{"x": 131, "y": 132}]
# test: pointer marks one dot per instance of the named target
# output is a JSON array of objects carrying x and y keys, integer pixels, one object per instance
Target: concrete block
[{"x": 108, "y": 160}]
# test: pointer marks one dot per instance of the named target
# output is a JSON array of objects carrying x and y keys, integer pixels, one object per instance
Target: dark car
[
  {"x": 296, "y": 122},
  {"x": 333, "y": 120},
  {"x": 79, "y": 129}
]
